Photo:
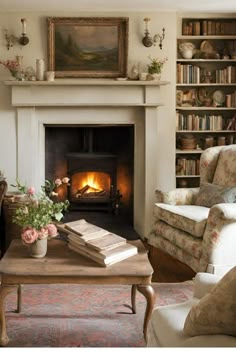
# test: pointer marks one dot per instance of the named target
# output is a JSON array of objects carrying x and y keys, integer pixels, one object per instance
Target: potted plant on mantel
[
  {"x": 38, "y": 217},
  {"x": 155, "y": 68}
]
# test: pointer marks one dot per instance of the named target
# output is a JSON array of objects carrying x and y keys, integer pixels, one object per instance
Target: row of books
[
  {"x": 231, "y": 99},
  {"x": 208, "y": 27},
  {"x": 193, "y": 74},
  {"x": 226, "y": 75},
  {"x": 188, "y": 74},
  {"x": 187, "y": 167},
  {"x": 96, "y": 243},
  {"x": 198, "y": 123}
]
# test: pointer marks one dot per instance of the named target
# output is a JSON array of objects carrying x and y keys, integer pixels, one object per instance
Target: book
[
  {"x": 109, "y": 257},
  {"x": 85, "y": 230},
  {"x": 106, "y": 242}
]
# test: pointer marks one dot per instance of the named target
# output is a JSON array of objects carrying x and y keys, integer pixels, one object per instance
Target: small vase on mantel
[
  {"x": 155, "y": 76},
  {"x": 40, "y": 69},
  {"x": 38, "y": 249}
]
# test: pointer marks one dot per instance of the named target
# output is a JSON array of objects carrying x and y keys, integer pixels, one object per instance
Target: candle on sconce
[
  {"x": 146, "y": 20},
  {"x": 23, "y": 21}
]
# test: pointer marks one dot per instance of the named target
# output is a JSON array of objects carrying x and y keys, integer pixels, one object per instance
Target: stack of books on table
[{"x": 96, "y": 243}]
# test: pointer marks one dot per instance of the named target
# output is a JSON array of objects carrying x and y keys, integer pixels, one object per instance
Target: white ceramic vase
[
  {"x": 38, "y": 249},
  {"x": 40, "y": 69}
]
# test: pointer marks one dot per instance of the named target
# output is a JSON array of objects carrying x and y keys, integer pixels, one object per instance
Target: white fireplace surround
[{"x": 75, "y": 102}]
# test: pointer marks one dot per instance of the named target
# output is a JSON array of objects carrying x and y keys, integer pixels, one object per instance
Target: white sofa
[{"x": 165, "y": 328}]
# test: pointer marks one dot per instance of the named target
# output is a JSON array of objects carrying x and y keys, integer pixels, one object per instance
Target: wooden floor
[{"x": 167, "y": 269}]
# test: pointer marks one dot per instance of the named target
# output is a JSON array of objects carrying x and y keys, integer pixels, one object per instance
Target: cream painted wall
[{"x": 37, "y": 48}]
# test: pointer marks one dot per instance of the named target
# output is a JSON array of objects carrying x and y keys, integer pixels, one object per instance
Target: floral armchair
[{"x": 197, "y": 226}]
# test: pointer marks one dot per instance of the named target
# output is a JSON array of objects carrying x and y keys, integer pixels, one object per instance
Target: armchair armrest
[
  {"x": 178, "y": 196},
  {"x": 203, "y": 283},
  {"x": 219, "y": 237}
]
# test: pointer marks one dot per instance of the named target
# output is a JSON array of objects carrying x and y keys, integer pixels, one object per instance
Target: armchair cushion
[
  {"x": 211, "y": 194},
  {"x": 179, "y": 196},
  {"x": 189, "y": 218},
  {"x": 225, "y": 173},
  {"x": 215, "y": 313}
]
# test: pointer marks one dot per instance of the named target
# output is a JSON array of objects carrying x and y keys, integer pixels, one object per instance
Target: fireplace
[
  {"x": 99, "y": 160},
  {"x": 93, "y": 181},
  {"x": 83, "y": 102}
]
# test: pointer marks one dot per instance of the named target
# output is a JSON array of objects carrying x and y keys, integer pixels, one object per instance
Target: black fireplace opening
[{"x": 99, "y": 160}]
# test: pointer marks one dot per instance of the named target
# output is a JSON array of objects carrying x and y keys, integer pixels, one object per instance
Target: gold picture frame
[{"x": 94, "y": 47}]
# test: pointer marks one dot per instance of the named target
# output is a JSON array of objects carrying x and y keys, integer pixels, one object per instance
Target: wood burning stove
[
  {"x": 93, "y": 177},
  {"x": 93, "y": 180}
]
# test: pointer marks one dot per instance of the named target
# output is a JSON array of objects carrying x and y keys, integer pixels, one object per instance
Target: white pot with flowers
[
  {"x": 155, "y": 67},
  {"x": 37, "y": 218}
]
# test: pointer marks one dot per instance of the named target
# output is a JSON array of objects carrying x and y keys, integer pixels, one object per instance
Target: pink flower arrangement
[
  {"x": 12, "y": 65},
  {"x": 30, "y": 234},
  {"x": 31, "y": 190},
  {"x": 50, "y": 187},
  {"x": 37, "y": 215},
  {"x": 58, "y": 182},
  {"x": 52, "y": 230}
]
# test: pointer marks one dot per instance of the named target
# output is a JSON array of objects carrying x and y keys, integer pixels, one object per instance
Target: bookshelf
[{"x": 205, "y": 91}]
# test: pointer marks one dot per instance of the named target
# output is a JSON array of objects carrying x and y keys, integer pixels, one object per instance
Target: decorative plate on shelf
[
  {"x": 218, "y": 98},
  {"x": 207, "y": 50},
  {"x": 207, "y": 46}
]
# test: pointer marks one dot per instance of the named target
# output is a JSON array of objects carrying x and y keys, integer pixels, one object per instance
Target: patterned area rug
[{"x": 83, "y": 316}]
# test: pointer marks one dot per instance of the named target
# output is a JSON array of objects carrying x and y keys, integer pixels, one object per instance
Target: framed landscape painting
[{"x": 88, "y": 46}]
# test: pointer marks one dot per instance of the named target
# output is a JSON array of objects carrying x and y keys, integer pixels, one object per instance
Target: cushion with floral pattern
[
  {"x": 215, "y": 313},
  {"x": 211, "y": 194}
]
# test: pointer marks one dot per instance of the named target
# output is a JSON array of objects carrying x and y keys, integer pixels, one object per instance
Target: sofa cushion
[
  {"x": 225, "y": 173},
  {"x": 216, "y": 311},
  {"x": 189, "y": 218},
  {"x": 211, "y": 194},
  {"x": 165, "y": 329}
]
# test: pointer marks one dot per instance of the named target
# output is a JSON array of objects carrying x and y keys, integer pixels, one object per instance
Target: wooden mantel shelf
[{"x": 86, "y": 82}]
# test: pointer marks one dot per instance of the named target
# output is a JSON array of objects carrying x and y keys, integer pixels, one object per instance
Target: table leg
[
  {"x": 149, "y": 294},
  {"x": 133, "y": 297},
  {"x": 19, "y": 297},
  {"x": 4, "y": 291}
]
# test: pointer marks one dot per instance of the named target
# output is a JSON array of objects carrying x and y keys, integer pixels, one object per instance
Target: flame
[{"x": 92, "y": 181}]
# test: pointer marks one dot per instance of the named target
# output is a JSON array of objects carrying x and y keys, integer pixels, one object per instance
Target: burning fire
[
  {"x": 92, "y": 181},
  {"x": 90, "y": 184}
]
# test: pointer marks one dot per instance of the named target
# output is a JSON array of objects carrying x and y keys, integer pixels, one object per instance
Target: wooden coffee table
[{"x": 63, "y": 266}]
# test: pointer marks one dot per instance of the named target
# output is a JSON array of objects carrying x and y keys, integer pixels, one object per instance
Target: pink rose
[
  {"x": 58, "y": 182},
  {"x": 52, "y": 230},
  {"x": 43, "y": 233},
  {"x": 31, "y": 190},
  {"x": 29, "y": 235},
  {"x": 65, "y": 180}
]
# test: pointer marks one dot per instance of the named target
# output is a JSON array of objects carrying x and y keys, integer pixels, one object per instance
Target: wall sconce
[
  {"x": 10, "y": 39},
  {"x": 23, "y": 40},
  {"x": 148, "y": 41}
]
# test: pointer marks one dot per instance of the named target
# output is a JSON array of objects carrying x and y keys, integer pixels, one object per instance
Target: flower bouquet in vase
[
  {"x": 37, "y": 217},
  {"x": 155, "y": 68},
  {"x": 14, "y": 67}
]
